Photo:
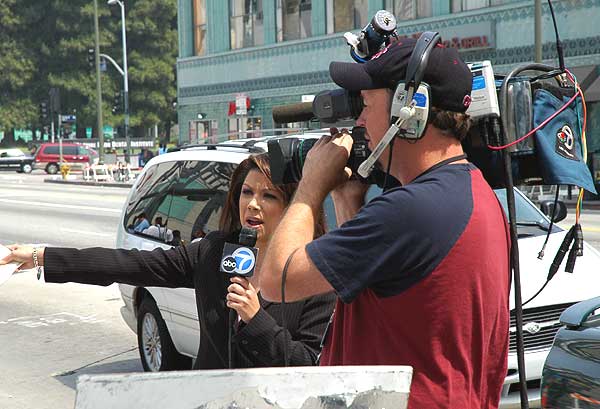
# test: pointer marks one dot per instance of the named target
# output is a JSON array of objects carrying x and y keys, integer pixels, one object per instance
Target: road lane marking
[
  {"x": 46, "y": 320},
  {"x": 84, "y": 232},
  {"x": 60, "y": 205}
]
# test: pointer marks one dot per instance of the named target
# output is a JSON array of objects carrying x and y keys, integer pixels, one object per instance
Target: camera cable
[
  {"x": 389, "y": 166},
  {"x": 283, "y": 320},
  {"x": 541, "y": 253}
]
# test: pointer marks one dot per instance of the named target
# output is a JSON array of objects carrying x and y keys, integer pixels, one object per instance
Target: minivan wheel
[
  {"x": 157, "y": 351},
  {"x": 26, "y": 168},
  {"x": 52, "y": 168}
]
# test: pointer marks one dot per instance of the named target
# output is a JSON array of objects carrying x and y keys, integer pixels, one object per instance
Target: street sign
[
  {"x": 108, "y": 131},
  {"x": 68, "y": 118},
  {"x": 241, "y": 107}
]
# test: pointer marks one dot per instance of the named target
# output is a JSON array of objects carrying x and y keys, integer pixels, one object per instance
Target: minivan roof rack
[{"x": 249, "y": 146}]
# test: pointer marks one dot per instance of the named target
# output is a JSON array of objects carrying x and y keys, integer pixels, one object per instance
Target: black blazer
[{"x": 260, "y": 343}]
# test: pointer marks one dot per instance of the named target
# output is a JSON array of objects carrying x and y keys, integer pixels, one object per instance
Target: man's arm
[
  {"x": 323, "y": 171},
  {"x": 296, "y": 229}
]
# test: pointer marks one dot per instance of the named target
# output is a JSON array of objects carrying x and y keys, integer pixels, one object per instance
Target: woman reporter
[{"x": 259, "y": 339}]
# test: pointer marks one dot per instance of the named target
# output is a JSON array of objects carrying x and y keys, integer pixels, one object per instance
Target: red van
[{"x": 75, "y": 154}]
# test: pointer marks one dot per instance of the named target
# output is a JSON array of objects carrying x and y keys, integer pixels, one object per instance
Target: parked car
[
  {"x": 16, "y": 159},
  {"x": 571, "y": 375},
  {"x": 188, "y": 189},
  {"x": 76, "y": 155}
]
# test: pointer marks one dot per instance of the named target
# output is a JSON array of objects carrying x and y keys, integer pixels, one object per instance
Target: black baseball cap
[{"x": 446, "y": 73}]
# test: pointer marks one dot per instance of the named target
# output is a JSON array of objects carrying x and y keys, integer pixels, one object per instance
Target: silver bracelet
[{"x": 36, "y": 264}]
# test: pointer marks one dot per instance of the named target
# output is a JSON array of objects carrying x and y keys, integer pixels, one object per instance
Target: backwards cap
[{"x": 446, "y": 73}]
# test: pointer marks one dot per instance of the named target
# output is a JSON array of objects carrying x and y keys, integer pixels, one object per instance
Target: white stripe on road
[
  {"x": 86, "y": 232},
  {"x": 60, "y": 205}
]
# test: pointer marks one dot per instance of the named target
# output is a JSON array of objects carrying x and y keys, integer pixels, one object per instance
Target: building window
[
  {"x": 247, "y": 29},
  {"x": 463, "y": 5},
  {"x": 245, "y": 127},
  {"x": 347, "y": 15},
  {"x": 203, "y": 131},
  {"x": 410, "y": 9},
  {"x": 199, "y": 8},
  {"x": 293, "y": 19}
]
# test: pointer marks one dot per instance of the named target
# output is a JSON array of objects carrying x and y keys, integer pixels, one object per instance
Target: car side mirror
[
  {"x": 546, "y": 207},
  {"x": 3, "y": 155},
  {"x": 582, "y": 313}
]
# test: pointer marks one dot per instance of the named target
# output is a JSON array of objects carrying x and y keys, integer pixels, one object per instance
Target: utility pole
[
  {"x": 538, "y": 31},
  {"x": 100, "y": 125},
  {"x": 121, "y": 4}
]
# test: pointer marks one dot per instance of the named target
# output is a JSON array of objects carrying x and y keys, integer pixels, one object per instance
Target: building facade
[{"x": 239, "y": 58}]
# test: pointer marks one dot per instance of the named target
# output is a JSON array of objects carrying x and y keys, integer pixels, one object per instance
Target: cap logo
[
  {"x": 380, "y": 53},
  {"x": 467, "y": 101}
]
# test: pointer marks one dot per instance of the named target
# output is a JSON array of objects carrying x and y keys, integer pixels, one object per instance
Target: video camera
[
  {"x": 536, "y": 117},
  {"x": 287, "y": 157}
]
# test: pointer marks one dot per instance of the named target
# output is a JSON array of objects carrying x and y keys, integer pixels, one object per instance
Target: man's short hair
[
  {"x": 448, "y": 76},
  {"x": 453, "y": 124}
]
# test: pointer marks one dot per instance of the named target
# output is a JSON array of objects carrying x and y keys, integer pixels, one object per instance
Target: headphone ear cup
[{"x": 397, "y": 103}]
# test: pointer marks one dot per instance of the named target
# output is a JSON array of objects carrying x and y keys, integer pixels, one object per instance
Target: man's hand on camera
[{"x": 325, "y": 166}]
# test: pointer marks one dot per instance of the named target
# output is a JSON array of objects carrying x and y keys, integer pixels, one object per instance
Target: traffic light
[
  {"x": 43, "y": 111},
  {"x": 91, "y": 57},
  {"x": 54, "y": 101},
  {"x": 117, "y": 103}
]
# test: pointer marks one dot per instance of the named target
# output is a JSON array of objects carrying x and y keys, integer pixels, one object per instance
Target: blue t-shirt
[{"x": 423, "y": 273}]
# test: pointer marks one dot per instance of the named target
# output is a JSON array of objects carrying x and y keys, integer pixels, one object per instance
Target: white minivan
[{"x": 187, "y": 189}]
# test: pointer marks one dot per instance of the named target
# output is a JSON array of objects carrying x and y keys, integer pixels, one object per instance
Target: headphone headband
[{"x": 419, "y": 58}]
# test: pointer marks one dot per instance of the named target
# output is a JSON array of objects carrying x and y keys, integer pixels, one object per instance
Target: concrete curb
[
  {"x": 86, "y": 183},
  {"x": 587, "y": 204}
]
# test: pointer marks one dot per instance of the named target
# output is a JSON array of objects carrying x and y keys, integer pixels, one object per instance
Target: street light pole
[
  {"x": 125, "y": 79},
  {"x": 98, "y": 87},
  {"x": 538, "y": 30}
]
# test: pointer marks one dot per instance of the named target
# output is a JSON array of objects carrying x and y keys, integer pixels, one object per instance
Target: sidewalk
[
  {"x": 81, "y": 182},
  {"x": 587, "y": 204}
]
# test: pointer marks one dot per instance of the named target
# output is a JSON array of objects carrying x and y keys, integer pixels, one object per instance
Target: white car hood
[{"x": 564, "y": 287}]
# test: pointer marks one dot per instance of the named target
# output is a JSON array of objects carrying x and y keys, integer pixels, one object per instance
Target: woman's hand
[
  {"x": 23, "y": 255},
  {"x": 243, "y": 298}
]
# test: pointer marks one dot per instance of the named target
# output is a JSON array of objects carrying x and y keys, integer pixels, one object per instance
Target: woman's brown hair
[{"x": 230, "y": 217}]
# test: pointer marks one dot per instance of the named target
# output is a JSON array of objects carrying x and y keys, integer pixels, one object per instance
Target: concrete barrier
[{"x": 352, "y": 387}]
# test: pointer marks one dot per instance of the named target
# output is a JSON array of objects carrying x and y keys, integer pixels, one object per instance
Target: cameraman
[{"x": 422, "y": 271}]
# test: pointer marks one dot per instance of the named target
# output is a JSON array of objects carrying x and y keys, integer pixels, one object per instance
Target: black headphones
[
  {"x": 412, "y": 89},
  {"x": 409, "y": 109}
]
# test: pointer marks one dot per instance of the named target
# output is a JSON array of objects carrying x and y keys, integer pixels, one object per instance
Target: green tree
[
  {"x": 152, "y": 53},
  {"x": 45, "y": 44},
  {"x": 17, "y": 108},
  {"x": 67, "y": 33}
]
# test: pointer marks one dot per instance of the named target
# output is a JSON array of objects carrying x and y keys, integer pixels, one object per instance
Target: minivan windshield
[{"x": 530, "y": 221}]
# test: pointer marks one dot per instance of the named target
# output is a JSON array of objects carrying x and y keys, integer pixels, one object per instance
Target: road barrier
[{"x": 372, "y": 387}]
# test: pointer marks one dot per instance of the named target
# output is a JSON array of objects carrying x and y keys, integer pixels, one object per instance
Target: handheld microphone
[
  {"x": 293, "y": 113},
  {"x": 240, "y": 259}
]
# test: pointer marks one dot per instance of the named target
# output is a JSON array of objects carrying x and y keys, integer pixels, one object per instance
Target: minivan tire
[
  {"x": 155, "y": 345},
  {"x": 26, "y": 168},
  {"x": 52, "y": 169}
]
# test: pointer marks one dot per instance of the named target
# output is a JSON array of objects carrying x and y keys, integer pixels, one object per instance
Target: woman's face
[{"x": 261, "y": 205}]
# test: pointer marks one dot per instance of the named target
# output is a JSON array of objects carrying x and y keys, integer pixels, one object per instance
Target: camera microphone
[
  {"x": 240, "y": 259},
  {"x": 293, "y": 113}
]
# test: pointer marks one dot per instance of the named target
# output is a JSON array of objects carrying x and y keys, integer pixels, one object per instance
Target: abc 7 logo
[
  {"x": 240, "y": 262},
  {"x": 228, "y": 264}
]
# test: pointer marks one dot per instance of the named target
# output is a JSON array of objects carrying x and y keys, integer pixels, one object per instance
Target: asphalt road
[
  {"x": 590, "y": 224},
  {"x": 52, "y": 333}
]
